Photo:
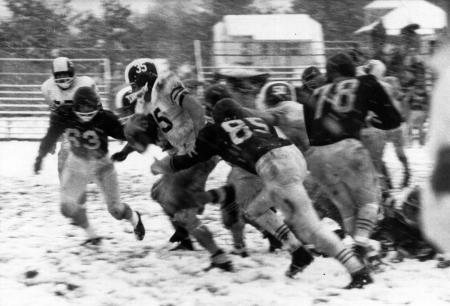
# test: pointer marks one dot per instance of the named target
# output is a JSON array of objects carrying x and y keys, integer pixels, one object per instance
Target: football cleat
[
  {"x": 240, "y": 250},
  {"x": 139, "y": 230},
  {"x": 274, "y": 243},
  {"x": 221, "y": 261},
  {"x": 301, "y": 258},
  {"x": 360, "y": 279},
  {"x": 184, "y": 245}
]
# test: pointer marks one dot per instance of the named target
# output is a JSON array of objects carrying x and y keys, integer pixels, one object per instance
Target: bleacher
[{"x": 23, "y": 110}]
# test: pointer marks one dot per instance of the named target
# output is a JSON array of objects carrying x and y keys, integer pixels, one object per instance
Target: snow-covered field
[{"x": 42, "y": 262}]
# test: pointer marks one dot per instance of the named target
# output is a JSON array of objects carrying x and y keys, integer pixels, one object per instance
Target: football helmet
[
  {"x": 276, "y": 92},
  {"x": 63, "y": 72},
  {"x": 141, "y": 72},
  {"x": 86, "y": 103},
  {"x": 214, "y": 94},
  {"x": 376, "y": 68},
  {"x": 340, "y": 64},
  {"x": 228, "y": 109}
]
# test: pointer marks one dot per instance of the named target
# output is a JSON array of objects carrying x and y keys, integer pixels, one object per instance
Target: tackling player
[
  {"x": 250, "y": 143},
  {"x": 87, "y": 127}
]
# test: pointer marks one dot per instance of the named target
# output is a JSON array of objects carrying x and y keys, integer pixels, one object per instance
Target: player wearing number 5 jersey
[
  {"x": 161, "y": 94},
  {"x": 252, "y": 144},
  {"x": 88, "y": 127},
  {"x": 334, "y": 117}
]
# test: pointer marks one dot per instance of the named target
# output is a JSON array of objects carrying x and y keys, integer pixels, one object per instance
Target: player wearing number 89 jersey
[
  {"x": 334, "y": 117},
  {"x": 88, "y": 127},
  {"x": 252, "y": 144}
]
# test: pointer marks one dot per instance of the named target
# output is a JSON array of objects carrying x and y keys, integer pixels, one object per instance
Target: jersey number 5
[{"x": 163, "y": 121}]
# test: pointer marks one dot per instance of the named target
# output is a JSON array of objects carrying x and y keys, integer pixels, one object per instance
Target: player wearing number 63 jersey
[
  {"x": 334, "y": 117},
  {"x": 88, "y": 127},
  {"x": 58, "y": 90},
  {"x": 250, "y": 143}
]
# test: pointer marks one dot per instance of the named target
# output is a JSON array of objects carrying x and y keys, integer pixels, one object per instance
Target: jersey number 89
[{"x": 241, "y": 130}]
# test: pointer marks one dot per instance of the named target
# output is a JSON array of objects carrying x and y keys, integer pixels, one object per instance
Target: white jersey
[
  {"x": 166, "y": 106},
  {"x": 56, "y": 96},
  {"x": 291, "y": 122}
]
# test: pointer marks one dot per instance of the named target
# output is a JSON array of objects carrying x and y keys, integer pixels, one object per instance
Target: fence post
[
  {"x": 8, "y": 128},
  {"x": 198, "y": 65}
]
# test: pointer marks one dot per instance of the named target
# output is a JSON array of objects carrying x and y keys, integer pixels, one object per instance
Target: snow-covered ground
[{"x": 42, "y": 262}]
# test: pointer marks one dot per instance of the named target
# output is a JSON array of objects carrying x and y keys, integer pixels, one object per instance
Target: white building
[
  {"x": 396, "y": 14},
  {"x": 268, "y": 40}
]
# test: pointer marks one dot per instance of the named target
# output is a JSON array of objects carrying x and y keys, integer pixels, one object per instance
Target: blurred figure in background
[{"x": 436, "y": 198}]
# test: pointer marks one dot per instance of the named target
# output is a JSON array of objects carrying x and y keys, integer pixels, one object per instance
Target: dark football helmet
[
  {"x": 86, "y": 103},
  {"x": 340, "y": 64},
  {"x": 63, "y": 72},
  {"x": 141, "y": 72}
]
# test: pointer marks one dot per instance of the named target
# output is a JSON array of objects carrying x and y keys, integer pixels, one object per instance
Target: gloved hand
[
  {"x": 38, "y": 164},
  {"x": 119, "y": 156}
]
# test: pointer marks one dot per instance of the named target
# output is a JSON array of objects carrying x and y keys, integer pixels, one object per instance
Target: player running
[
  {"x": 334, "y": 117},
  {"x": 250, "y": 143},
  {"x": 163, "y": 102},
  {"x": 87, "y": 126}
]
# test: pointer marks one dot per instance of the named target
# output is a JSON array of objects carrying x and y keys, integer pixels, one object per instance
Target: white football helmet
[{"x": 63, "y": 72}]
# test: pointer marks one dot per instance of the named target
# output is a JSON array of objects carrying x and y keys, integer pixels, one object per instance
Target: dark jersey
[
  {"x": 240, "y": 142},
  {"x": 87, "y": 139},
  {"x": 338, "y": 111}
]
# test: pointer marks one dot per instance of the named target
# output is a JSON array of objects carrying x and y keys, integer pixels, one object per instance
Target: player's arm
[
  {"x": 381, "y": 104},
  {"x": 114, "y": 127},
  {"x": 205, "y": 150},
  {"x": 54, "y": 131}
]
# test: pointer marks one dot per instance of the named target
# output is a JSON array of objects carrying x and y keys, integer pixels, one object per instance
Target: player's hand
[
  {"x": 37, "y": 165},
  {"x": 161, "y": 166},
  {"x": 119, "y": 156}
]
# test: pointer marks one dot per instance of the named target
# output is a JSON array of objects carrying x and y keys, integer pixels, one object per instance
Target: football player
[
  {"x": 250, "y": 143},
  {"x": 436, "y": 200},
  {"x": 59, "y": 89},
  {"x": 87, "y": 127},
  {"x": 312, "y": 78},
  {"x": 162, "y": 99},
  {"x": 334, "y": 117}
]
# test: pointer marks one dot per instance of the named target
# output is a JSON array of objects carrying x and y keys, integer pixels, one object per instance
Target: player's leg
[
  {"x": 396, "y": 136},
  {"x": 283, "y": 171},
  {"x": 74, "y": 178},
  {"x": 187, "y": 218},
  {"x": 247, "y": 186},
  {"x": 106, "y": 179}
]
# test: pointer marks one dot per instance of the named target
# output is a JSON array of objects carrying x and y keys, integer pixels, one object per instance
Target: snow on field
[{"x": 42, "y": 262}]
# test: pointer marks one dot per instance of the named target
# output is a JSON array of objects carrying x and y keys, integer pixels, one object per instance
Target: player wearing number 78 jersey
[
  {"x": 334, "y": 117},
  {"x": 87, "y": 126}
]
